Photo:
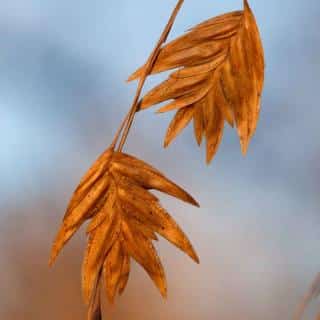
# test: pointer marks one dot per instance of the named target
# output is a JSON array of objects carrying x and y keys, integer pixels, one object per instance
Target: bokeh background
[{"x": 62, "y": 96}]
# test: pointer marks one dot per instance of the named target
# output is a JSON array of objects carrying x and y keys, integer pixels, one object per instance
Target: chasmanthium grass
[{"x": 219, "y": 77}]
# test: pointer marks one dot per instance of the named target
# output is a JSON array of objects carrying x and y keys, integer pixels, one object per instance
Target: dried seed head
[
  {"x": 219, "y": 78},
  {"x": 125, "y": 217}
]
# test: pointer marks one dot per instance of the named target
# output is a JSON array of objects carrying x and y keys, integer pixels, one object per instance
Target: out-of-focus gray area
[{"x": 62, "y": 96}]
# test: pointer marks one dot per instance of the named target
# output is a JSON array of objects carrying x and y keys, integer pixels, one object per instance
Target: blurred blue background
[{"x": 63, "y": 66}]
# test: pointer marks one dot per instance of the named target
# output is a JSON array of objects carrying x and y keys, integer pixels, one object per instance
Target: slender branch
[
  {"x": 117, "y": 135},
  {"x": 311, "y": 294},
  {"x": 147, "y": 69}
]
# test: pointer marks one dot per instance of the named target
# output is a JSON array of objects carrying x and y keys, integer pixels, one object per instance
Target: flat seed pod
[
  {"x": 198, "y": 123},
  {"x": 220, "y": 65},
  {"x": 179, "y": 122},
  {"x": 125, "y": 270},
  {"x": 149, "y": 178},
  {"x": 112, "y": 270},
  {"x": 125, "y": 217}
]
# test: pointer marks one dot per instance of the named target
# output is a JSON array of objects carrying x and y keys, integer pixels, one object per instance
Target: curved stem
[
  {"x": 117, "y": 135},
  {"x": 147, "y": 69}
]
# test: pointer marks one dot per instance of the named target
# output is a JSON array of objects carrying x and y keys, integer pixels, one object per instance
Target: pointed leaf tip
[
  {"x": 244, "y": 147},
  {"x": 195, "y": 258},
  {"x": 246, "y": 4}
]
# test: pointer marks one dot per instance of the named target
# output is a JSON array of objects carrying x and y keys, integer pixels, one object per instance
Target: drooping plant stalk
[
  {"x": 219, "y": 78},
  {"x": 125, "y": 217},
  {"x": 149, "y": 65},
  {"x": 117, "y": 135}
]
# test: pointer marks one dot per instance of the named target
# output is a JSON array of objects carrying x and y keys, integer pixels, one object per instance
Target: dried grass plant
[
  {"x": 218, "y": 77},
  {"x": 312, "y": 293}
]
